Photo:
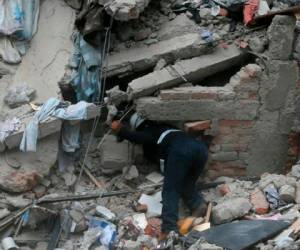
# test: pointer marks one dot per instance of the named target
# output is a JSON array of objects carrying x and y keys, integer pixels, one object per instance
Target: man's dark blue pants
[{"x": 185, "y": 161}]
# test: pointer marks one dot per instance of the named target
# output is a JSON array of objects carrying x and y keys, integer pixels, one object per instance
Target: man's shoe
[{"x": 200, "y": 211}]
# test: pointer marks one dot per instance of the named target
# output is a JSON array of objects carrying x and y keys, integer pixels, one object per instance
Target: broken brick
[
  {"x": 197, "y": 126},
  {"x": 153, "y": 228},
  {"x": 259, "y": 202},
  {"x": 224, "y": 189}
]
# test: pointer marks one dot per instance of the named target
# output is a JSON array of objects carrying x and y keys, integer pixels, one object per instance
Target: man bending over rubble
[{"x": 184, "y": 159}]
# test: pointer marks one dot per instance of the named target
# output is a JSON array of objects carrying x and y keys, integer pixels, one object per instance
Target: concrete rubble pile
[{"x": 227, "y": 70}]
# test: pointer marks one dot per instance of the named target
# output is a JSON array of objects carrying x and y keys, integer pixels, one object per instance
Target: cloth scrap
[{"x": 52, "y": 108}]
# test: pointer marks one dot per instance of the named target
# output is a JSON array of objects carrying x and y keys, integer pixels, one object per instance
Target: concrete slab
[
  {"x": 145, "y": 57},
  {"x": 44, "y": 63},
  {"x": 194, "y": 69}
]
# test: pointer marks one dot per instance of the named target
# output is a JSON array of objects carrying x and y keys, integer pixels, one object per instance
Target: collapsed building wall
[{"x": 251, "y": 118}]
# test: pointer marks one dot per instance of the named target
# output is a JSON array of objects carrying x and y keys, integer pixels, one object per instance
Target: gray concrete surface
[
  {"x": 145, "y": 57},
  {"x": 194, "y": 69}
]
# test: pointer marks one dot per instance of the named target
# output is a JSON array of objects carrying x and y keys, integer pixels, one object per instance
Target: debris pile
[{"x": 225, "y": 71}]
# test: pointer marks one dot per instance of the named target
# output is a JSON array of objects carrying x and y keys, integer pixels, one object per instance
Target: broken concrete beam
[
  {"x": 281, "y": 37},
  {"x": 145, "y": 57},
  {"x": 125, "y": 10},
  {"x": 154, "y": 108},
  {"x": 195, "y": 69},
  {"x": 114, "y": 155},
  {"x": 33, "y": 166},
  {"x": 230, "y": 209}
]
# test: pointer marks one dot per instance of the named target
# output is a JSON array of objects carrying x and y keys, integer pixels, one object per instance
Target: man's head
[{"x": 135, "y": 121}]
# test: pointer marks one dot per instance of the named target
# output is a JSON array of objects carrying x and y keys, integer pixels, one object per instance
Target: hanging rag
[
  {"x": 250, "y": 10},
  {"x": 85, "y": 63}
]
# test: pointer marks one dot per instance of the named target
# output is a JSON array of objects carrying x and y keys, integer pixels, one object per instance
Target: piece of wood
[
  {"x": 92, "y": 178},
  {"x": 202, "y": 227},
  {"x": 208, "y": 212},
  {"x": 267, "y": 18}
]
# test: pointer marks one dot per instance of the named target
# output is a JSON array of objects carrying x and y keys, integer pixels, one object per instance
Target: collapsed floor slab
[
  {"x": 195, "y": 69},
  {"x": 145, "y": 57}
]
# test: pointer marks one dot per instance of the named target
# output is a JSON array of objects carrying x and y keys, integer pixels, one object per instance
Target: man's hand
[{"x": 116, "y": 126}]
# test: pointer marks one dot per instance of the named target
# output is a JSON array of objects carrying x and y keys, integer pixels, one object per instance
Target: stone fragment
[
  {"x": 114, "y": 155},
  {"x": 125, "y": 10},
  {"x": 281, "y": 36},
  {"x": 297, "y": 199},
  {"x": 105, "y": 213},
  {"x": 132, "y": 173},
  {"x": 69, "y": 178},
  {"x": 230, "y": 209},
  {"x": 131, "y": 245},
  {"x": 296, "y": 171},
  {"x": 39, "y": 191},
  {"x": 19, "y": 95},
  {"x": 160, "y": 64},
  {"x": 77, "y": 216},
  {"x": 257, "y": 44},
  {"x": 4, "y": 212},
  {"x": 259, "y": 202},
  {"x": 287, "y": 193}
]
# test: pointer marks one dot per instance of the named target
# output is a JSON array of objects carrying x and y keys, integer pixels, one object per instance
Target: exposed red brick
[
  {"x": 293, "y": 150},
  {"x": 224, "y": 189},
  {"x": 174, "y": 96},
  {"x": 153, "y": 228},
  {"x": 197, "y": 126},
  {"x": 259, "y": 202},
  {"x": 141, "y": 208},
  {"x": 205, "y": 95},
  {"x": 225, "y": 130},
  {"x": 236, "y": 123},
  {"x": 252, "y": 95}
]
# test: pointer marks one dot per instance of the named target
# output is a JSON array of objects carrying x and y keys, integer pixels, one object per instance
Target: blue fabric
[
  {"x": 183, "y": 167},
  {"x": 52, "y": 108},
  {"x": 86, "y": 61}
]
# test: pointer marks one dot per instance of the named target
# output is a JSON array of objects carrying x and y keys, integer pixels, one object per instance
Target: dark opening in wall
[
  {"x": 124, "y": 80},
  {"x": 221, "y": 78}
]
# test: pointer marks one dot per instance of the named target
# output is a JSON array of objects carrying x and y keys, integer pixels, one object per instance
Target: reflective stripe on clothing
[{"x": 164, "y": 134}]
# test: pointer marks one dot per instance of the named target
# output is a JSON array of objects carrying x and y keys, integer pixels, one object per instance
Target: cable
[{"x": 105, "y": 53}]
